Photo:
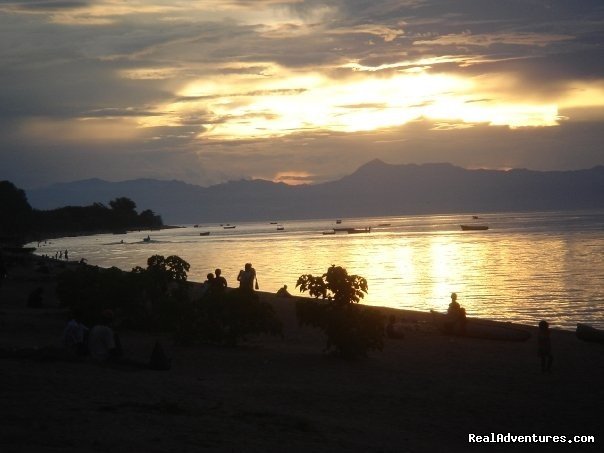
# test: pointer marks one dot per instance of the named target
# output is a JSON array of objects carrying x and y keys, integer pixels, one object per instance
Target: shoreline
[{"x": 424, "y": 393}]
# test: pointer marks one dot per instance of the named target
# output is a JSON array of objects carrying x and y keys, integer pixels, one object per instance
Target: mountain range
[{"x": 375, "y": 189}]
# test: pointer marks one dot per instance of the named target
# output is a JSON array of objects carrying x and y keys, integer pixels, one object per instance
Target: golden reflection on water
[{"x": 508, "y": 274}]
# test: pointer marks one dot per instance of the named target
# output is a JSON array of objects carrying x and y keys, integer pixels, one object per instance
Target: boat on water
[
  {"x": 384, "y": 224},
  {"x": 280, "y": 228},
  {"x": 328, "y": 232},
  {"x": 586, "y": 332},
  {"x": 477, "y": 328},
  {"x": 359, "y": 230},
  {"x": 474, "y": 227},
  {"x": 338, "y": 221},
  {"x": 229, "y": 227},
  {"x": 147, "y": 239},
  {"x": 204, "y": 233}
]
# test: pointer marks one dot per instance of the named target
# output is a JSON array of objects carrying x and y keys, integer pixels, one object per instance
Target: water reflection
[{"x": 525, "y": 268}]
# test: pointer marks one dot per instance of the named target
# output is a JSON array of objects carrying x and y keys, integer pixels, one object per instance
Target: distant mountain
[{"x": 374, "y": 189}]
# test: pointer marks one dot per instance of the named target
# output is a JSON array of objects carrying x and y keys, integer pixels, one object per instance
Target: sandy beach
[{"x": 425, "y": 393}]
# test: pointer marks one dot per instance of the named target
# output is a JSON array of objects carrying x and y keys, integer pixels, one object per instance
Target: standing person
[
  {"x": 247, "y": 278},
  {"x": 220, "y": 283},
  {"x": 545, "y": 347},
  {"x": 66, "y": 257}
]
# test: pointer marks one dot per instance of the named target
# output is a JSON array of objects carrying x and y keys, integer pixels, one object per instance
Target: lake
[{"x": 524, "y": 268}]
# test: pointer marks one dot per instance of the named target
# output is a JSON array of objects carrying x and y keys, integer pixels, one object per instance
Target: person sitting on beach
[
  {"x": 208, "y": 287},
  {"x": 283, "y": 292},
  {"x": 220, "y": 283},
  {"x": 545, "y": 347},
  {"x": 75, "y": 336},
  {"x": 103, "y": 343},
  {"x": 394, "y": 329},
  {"x": 456, "y": 316}
]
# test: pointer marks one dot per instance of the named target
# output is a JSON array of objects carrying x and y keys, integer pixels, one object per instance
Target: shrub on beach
[
  {"x": 148, "y": 298},
  {"x": 351, "y": 330},
  {"x": 227, "y": 319}
]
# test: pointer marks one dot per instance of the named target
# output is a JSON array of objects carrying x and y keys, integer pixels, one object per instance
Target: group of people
[
  {"x": 456, "y": 322},
  {"x": 103, "y": 345},
  {"x": 215, "y": 284}
]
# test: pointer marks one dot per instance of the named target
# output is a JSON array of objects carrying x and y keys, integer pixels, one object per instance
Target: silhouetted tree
[
  {"x": 15, "y": 211},
  {"x": 351, "y": 330}
]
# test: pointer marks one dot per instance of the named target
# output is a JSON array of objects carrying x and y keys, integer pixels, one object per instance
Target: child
[{"x": 545, "y": 347}]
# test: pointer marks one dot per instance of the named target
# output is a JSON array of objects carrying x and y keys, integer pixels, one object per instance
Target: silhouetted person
[
  {"x": 220, "y": 283},
  {"x": 75, "y": 336},
  {"x": 66, "y": 256},
  {"x": 456, "y": 316},
  {"x": 283, "y": 292},
  {"x": 103, "y": 343},
  {"x": 545, "y": 347},
  {"x": 207, "y": 287},
  {"x": 247, "y": 277}
]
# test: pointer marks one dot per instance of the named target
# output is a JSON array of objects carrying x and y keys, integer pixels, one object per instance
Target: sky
[{"x": 298, "y": 91}]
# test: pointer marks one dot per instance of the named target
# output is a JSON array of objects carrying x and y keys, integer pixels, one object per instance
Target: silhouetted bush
[
  {"x": 148, "y": 298},
  {"x": 351, "y": 330},
  {"x": 227, "y": 319}
]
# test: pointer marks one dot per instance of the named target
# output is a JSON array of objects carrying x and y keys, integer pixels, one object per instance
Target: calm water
[{"x": 526, "y": 267}]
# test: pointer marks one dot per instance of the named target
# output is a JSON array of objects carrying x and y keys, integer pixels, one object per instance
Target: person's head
[
  {"x": 218, "y": 272},
  {"x": 543, "y": 325},
  {"x": 453, "y": 297},
  {"x": 284, "y": 286},
  {"x": 248, "y": 266},
  {"x": 210, "y": 276}
]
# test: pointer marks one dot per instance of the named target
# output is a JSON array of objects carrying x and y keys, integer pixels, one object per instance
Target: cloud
[{"x": 306, "y": 89}]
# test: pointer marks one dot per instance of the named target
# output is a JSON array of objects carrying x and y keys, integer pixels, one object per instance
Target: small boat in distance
[
  {"x": 359, "y": 230},
  {"x": 205, "y": 233},
  {"x": 338, "y": 221},
  {"x": 280, "y": 228},
  {"x": 229, "y": 227},
  {"x": 474, "y": 227},
  {"x": 329, "y": 232},
  {"x": 147, "y": 239},
  {"x": 384, "y": 224}
]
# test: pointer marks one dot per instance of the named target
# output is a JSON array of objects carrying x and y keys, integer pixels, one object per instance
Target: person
[
  {"x": 283, "y": 292},
  {"x": 66, "y": 256},
  {"x": 545, "y": 347},
  {"x": 456, "y": 316},
  {"x": 220, "y": 283},
  {"x": 103, "y": 343},
  {"x": 393, "y": 329},
  {"x": 75, "y": 336},
  {"x": 247, "y": 277},
  {"x": 207, "y": 287}
]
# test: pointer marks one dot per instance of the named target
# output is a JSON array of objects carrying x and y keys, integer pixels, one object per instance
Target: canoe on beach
[
  {"x": 476, "y": 328},
  {"x": 586, "y": 332}
]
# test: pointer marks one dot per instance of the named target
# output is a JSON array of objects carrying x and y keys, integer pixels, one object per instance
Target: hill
[{"x": 376, "y": 188}]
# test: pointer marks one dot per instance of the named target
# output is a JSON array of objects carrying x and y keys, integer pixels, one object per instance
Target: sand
[{"x": 425, "y": 393}]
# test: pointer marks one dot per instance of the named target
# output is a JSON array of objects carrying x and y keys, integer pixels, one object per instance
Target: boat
[
  {"x": 474, "y": 227},
  {"x": 328, "y": 232},
  {"x": 147, "y": 239},
  {"x": 229, "y": 227},
  {"x": 195, "y": 226},
  {"x": 338, "y": 221},
  {"x": 205, "y": 233},
  {"x": 280, "y": 228},
  {"x": 586, "y": 332},
  {"x": 477, "y": 328},
  {"x": 384, "y": 224},
  {"x": 359, "y": 230}
]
